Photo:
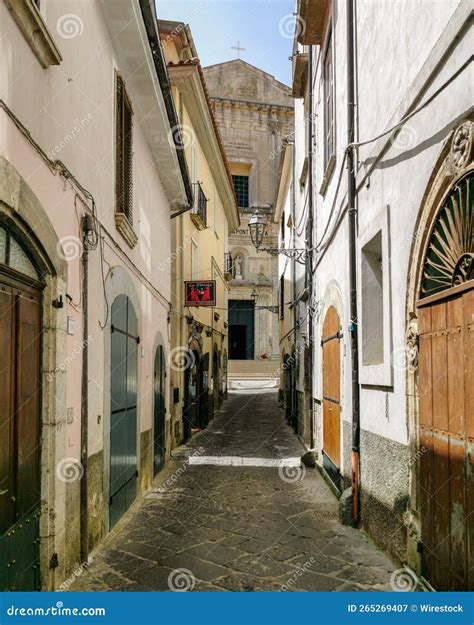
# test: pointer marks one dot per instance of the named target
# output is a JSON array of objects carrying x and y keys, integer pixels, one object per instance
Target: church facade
[{"x": 254, "y": 113}]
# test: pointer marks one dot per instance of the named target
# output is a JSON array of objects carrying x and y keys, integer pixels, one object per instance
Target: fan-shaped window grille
[
  {"x": 13, "y": 254},
  {"x": 449, "y": 259}
]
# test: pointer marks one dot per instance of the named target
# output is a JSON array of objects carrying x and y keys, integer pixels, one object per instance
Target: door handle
[{"x": 4, "y": 492}]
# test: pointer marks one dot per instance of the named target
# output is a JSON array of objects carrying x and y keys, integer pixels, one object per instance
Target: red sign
[{"x": 200, "y": 293}]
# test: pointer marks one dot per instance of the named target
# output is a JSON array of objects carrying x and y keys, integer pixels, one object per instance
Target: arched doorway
[
  {"x": 445, "y": 314},
  {"x": 215, "y": 381},
  {"x": 224, "y": 375},
  {"x": 288, "y": 375},
  {"x": 332, "y": 395},
  {"x": 21, "y": 285},
  {"x": 192, "y": 393},
  {"x": 204, "y": 395},
  {"x": 123, "y": 409},
  {"x": 159, "y": 411}
]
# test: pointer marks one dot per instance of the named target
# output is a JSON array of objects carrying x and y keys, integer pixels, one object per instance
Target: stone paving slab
[
  {"x": 238, "y": 528},
  {"x": 251, "y": 425}
]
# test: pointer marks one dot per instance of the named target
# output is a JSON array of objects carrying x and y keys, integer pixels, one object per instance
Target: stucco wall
[
  {"x": 71, "y": 118},
  {"x": 413, "y": 49}
]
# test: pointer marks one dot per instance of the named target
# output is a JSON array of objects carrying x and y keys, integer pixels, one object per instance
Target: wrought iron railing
[{"x": 200, "y": 203}]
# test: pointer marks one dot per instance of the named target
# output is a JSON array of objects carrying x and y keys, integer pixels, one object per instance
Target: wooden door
[
  {"x": 159, "y": 411},
  {"x": 20, "y": 347},
  {"x": 446, "y": 437},
  {"x": 331, "y": 395},
  {"x": 123, "y": 417}
]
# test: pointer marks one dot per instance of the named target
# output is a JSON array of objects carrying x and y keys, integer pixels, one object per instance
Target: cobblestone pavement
[{"x": 238, "y": 528}]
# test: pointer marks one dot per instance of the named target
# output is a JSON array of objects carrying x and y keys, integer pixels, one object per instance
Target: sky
[{"x": 264, "y": 27}]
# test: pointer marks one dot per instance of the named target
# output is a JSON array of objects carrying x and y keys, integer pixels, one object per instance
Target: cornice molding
[
  {"x": 187, "y": 79},
  {"x": 230, "y": 102}
]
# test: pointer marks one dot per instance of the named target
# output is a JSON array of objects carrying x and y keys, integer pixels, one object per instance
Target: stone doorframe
[
  {"x": 21, "y": 210},
  {"x": 454, "y": 162}
]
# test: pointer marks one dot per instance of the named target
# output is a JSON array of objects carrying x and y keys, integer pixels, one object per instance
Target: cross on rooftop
[{"x": 238, "y": 48}]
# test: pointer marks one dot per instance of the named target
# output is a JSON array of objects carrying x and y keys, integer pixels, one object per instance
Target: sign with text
[{"x": 200, "y": 293}]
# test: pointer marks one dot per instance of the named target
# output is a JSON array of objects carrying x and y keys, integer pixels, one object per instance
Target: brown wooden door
[
  {"x": 332, "y": 393},
  {"x": 446, "y": 437},
  {"x": 20, "y": 340}
]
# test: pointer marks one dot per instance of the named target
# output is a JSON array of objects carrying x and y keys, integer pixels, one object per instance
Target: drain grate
[{"x": 325, "y": 515}]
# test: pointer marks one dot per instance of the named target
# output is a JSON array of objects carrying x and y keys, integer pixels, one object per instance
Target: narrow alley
[{"x": 241, "y": 527}]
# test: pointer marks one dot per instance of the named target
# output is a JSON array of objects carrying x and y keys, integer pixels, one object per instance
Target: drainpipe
[
  {"x": 309, "y": 243},
  {"x": 293, "y": 269},
  {"x": 352, "y": 212},
  {"x": 86, "y": 226}
]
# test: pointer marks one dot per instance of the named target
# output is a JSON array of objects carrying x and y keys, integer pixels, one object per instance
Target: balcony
[
  {"x": 314, "y": 15},
  {"x": 199, "y": 209},
  {"x": 300, "y": 74},
  {"x": 228, "y": 266}
]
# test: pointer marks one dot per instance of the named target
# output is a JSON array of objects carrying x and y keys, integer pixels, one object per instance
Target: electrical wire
[{"x": 358, "y": 144}]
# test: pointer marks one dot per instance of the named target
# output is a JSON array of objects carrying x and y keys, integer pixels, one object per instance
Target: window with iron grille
[
  {"x": 241, "y": 188},
  {"x": 123, "y": 152},
  {"x": 328, "y": 92}
]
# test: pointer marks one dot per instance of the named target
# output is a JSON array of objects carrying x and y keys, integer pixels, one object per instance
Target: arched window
[
  {"x": 449, "y": 259},
  {"x": 14, "y": 256}
]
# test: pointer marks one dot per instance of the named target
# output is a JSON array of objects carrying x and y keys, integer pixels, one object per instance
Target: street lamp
[
  {"x": 258, "y": 227},
  {"x": 254, "y": 296}
]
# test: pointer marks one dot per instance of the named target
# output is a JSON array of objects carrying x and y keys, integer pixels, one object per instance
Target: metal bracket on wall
[{"x": 295, "y": 254}]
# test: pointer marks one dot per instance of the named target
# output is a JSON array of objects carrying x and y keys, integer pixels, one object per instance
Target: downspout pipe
[
  {"x": 84, "y": 529},
  {"x": 309, "y": 244},
  {"x": 293, "y": 271},
  {"x": 352, "y": 215}
]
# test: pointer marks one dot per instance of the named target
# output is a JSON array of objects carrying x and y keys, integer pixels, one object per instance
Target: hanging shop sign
[{"x": 200, "y": 293}]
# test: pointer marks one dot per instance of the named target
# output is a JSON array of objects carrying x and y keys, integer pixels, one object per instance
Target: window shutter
[{"x": 124, "y": 153}]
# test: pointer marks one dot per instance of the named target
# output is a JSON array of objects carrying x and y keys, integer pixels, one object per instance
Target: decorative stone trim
[
  {"x": 35, "y": 31},
  {"x": 126, "y": 230},
  {"x": 327, "y": 174},
  {"x": 460, "y": 154},
  {"x": 412, "y": 344}
]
